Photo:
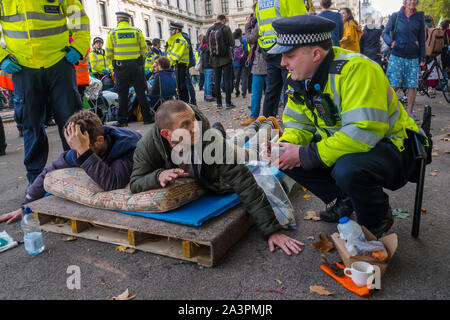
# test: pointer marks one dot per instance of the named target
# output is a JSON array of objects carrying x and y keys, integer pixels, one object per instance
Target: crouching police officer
[
  {"x": 127, "y": 49},
  {"x": 346, "y": 134},
  {"x": 99, "y": 64}
]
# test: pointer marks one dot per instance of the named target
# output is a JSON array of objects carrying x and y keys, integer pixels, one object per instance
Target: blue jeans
[
  {"x": 208, "y": 83},
  {"x": 257, "y": 91},
  {"x": 190, "y": 88},
  {"x": 32, "y": 88}
]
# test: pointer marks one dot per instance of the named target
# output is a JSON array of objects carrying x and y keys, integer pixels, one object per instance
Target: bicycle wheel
[{"x": 446, "y": 92}]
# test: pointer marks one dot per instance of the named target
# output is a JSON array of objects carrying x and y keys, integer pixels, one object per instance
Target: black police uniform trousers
[
  {"x": 34, "y": 90},
  {"x": 362, "y": 177},
  {"x": 131, "y": 73},
  {"x": 181, "y": 73},
  {"x": 2, "y": 136}
]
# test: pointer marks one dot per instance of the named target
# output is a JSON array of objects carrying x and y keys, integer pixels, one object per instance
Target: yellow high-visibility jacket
[
  {"x": 178, "y": 50},
  {"x": 98, "y": 62},
  {"x": 368, "y": 111},
  {"x": 267, "y": 11},
  {"x": 35, "y": 31},
  {"x": 125, "y": 43},
  {"x": 149, "y": 60}
]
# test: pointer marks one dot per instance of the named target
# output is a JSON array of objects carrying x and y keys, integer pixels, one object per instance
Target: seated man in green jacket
[{"x": 157, "y": 152}]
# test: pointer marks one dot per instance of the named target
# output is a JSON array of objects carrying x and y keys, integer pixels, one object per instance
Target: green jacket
[{"x": 152, "y": 156}]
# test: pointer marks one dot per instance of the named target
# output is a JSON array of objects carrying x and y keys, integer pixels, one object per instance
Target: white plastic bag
[
  {"x": 6, "y": 242},
  {"x": 281, "y": 205}
]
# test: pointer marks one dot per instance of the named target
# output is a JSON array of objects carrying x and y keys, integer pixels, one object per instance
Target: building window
[
  {"x": 132, "y": 21},
  {"x": 239, "y": 3},
  {"x": 103, "y": 14},
  {"x": 208, "y": 7},
  {"x": 168, "y": 2},
  {"x": 178, "y": 4},
  {"x": 224, "y": 6},
  {"x": 147, "y": 28},
  {"x": 159, "y": 29}
]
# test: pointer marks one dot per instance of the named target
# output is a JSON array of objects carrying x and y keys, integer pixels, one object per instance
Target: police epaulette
[{"x": 337, "y": 65}]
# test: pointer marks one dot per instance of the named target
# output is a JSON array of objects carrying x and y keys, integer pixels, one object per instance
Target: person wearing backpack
[
  {"x": 408, "y": 49},
  {"x": 220, "y": 40},
  {"x": 240, "y": 54}
]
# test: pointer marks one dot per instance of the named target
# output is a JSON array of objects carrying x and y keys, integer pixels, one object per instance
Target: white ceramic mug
[{"x": 360, "y": 272}]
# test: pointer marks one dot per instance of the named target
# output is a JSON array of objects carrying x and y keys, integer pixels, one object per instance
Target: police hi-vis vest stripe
[
  {"x": 369, "y": 111},
  {"x": 149, "y": 60},
  {"x": 35, "y": 32},
  {"x": 125, "y": 43},
  {"x": 98, "y": 62},
  {"x": 178, "y": 50},
  {"x": 267, "y": 11}
]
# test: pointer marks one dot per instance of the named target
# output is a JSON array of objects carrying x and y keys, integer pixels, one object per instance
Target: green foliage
[{"x": 436, "y": 8}]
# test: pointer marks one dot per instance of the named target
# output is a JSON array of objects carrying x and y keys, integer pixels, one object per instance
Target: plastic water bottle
[
  {"x": 350, "y": 230},
  {"x": 34, "y": 243}
]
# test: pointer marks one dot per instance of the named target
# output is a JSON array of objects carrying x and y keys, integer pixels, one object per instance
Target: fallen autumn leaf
[{"x": 320, "y": 290}]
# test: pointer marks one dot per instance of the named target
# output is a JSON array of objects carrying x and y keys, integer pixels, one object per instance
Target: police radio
[{"x": 325, "y": 107}]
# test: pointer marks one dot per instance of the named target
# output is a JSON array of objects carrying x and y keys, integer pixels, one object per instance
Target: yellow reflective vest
[
  {"x": 98, "y": 62},
  {"x": 149, "y": 60},
  {"x": 125, "y": 43},
  {"x": 35, "y": 31},
  {"x": 178, "y": 50},
  {"x": 267, "y": 11},
  {"x": 368, "y": 111}
]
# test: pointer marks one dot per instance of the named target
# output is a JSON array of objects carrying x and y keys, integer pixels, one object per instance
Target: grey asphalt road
[{"x": 419, "y": 270}]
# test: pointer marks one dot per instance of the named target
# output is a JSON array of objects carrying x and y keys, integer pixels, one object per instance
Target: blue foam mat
[{"x": 197, "y": 212}]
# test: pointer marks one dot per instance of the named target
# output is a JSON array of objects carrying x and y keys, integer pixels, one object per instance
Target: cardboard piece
[{"x": 390, "y": 242}]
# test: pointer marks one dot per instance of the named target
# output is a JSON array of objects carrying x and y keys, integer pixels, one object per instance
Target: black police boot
[
  {"x": 342, "y": 207},
  {"x": 384, "y": 225}
]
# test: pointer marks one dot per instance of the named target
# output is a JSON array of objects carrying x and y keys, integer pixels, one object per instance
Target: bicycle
[{"x": 443, "y": 85}]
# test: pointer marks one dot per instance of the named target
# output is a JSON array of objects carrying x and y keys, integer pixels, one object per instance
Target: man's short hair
[
  {"x": 163, "y": 117},
  {"x": 155, "y": 41},
  {"x": 88, "y": 121},
  {"x": 163, "y": 62},
  {"x": 326, "y": 3},
  {"x": 221, "y": 17}
]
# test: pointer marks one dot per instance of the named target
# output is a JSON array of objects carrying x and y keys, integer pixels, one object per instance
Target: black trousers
[
  {"x": 131, "y": 73},
  {"x": 181, "y": 72},
  {"x": 2, "y": 136},
  {"x": 227, "y": 71},
  {"x": 361, "y": 176}
]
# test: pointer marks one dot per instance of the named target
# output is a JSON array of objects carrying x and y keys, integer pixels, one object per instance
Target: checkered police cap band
[{"x": 307, "y": 38}]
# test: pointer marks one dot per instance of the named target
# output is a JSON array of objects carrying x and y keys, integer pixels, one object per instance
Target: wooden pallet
[{"x": 204, "y": 245}]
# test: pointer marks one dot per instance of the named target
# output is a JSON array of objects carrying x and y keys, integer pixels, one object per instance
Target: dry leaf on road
[
  {"x": 69, "y": 239},
  {"x": 434, "y": 173},
  {"x": 307, "y": 196},
  {"x": 310, "y": 238},
  {"x": 125, "y": 249},
  {"x": 320, "y": 290},
  {"x": 311, "y": 215},
  {"x": 123, "y": 296},
  {"x": 325, "y": 244}
]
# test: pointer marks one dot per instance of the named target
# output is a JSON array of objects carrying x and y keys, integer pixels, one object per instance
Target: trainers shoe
[
  {"x": 341, "y": 208},
  {"x": 2, "y": 152},
  {"x": 230, "y": 106},
  {"x": 218, "y": 106},
  {"x": 237, "y": 94},
  {"x": 244, "y": 96},
  {"x": 384, "y": 225},
  {"x": 248, "y": 121},
  {"x": 119, "y": 124}
]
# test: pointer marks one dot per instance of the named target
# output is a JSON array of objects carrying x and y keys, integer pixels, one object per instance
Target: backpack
[
  {"x": 239, "y": 53},
  {"x": 191, "y": 52},
  {"x": 445, "y": 55},
  {"x": 435, "y": 42},
  {"x": 216, "y": 42}
]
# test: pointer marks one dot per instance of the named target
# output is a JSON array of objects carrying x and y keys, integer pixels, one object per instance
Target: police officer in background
[
  {"x": 178, "y": 54},
  {"x": 98, "y": 63},
  {"x": 41, "y": 60},
  {"x": 268, "y": 11},
  {"x": 126, "y": 48},
  {"x": 346, "y": 135}
]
